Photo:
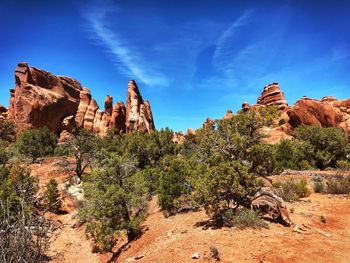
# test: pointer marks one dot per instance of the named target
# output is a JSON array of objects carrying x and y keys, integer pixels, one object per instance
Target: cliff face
[{"x": 63, "y": 105}]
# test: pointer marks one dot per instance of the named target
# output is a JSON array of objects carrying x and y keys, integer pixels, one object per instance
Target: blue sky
[{"x": 191, "y": 59}]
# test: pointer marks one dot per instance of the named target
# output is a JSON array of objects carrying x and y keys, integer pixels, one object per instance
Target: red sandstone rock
[
  {"x": 329, "y": 112},
  {"x": 228, "y": 115},
  {"x": 208, "y": 123},
  {"x": 42, "y": 99},
  {"x": 245, "y": 106},
  {"x": 272, "y": 95},
  {"x": 138, "y": 112},
  {"x": 60, "y": 103},
  {"x": 178, "y": 138},
  {"x": 118, "y": 119}
]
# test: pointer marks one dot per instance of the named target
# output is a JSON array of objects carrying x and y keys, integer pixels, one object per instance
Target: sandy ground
[{"x": 177, "y": 238}]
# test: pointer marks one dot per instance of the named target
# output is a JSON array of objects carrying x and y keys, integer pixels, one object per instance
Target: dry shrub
[{"x": 291, "y": 190}]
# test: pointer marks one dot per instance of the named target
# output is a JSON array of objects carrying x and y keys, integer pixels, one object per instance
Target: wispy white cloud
[
  {"x": 127, "y": 60},
  {"x": 223, "y": 50}
]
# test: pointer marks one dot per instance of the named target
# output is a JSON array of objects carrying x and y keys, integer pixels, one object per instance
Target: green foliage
[
  {"x": 319, "y": 187},
  {"x": 269, "y": 114},
  {"x": 51, "y": 197},
  {"x": 4, "y": 155},
  {"x": 262, "y": 157},
  {"x": 338, "y": 185},
  {"x": 324, "y": 146},
  {"x": 291, "y": 190},
  {"x": 37, "y": 143},
  {"x": 343, "y": 165},
  {"x": 244, "y": 218},
  {"x": 7, "y": 131},
  {"x": 285, "y": 155},
  {"x": 115, "y": 201},
  {"x": 23, "y": 231},
  {"x": 173, "y": 183},
  {"x": 225, "y": 185},
  {"x": 84, "y": 146}
]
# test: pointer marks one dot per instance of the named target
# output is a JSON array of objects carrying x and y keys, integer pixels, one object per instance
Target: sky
[{"x": 191, "y": 59}]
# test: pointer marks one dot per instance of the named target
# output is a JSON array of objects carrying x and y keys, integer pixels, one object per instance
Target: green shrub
[
  {"x": 37, "y": 143},
  {"x": 244, "y": 218},
  {"x": 173, "y": 183},
  {"x": 4, "y": 155},
  {"x": 281, "y": 122},
  {"x": 291, "y": 190},
  {"x": 319, "y": 187},
  {"x": 115, "y": 202},
  {"x": 7, "y": 131},
  {"x": 325, "y": 147},
  {"x": 343, "y": 165},
  {"x": 338, "y": 185},
  {"x": 51, "y": 197}
]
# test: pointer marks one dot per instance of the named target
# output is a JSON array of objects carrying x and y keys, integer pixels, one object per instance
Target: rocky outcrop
[
  {"x": 228, "y": 115},
  {"x": 272, "y": 95},
  {"x": 208, "y": 123},
  {"x": 42, "y": 99},
  {"x": 3, "y": 112},
  {"x": 138, "y": 112},
  {"x": 60, "y": 103},
  {"x": 327, "y": 112}
]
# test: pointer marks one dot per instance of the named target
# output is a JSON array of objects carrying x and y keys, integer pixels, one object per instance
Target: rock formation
[
  {"x": 272, "y": 95},
  {"x": 41, "y": 98},
  {"x": 327, "y": 112},
  {"x": 228, "y": 115},
  {"x": 138, "y": 112},
  {"x": 64, "y": 106},
  {"x": 208, "y": 123}
]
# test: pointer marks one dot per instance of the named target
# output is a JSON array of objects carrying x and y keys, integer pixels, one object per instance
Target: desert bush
[
  {"x": 52, "y": 200},
  {"x": 338, "y": 185},
  {"x": 4, "y": 155},
  {"x": 270, "y": 114},
  {"x": 115, "y": 201},
  {"x": 24, "y": 231},
  {"x": 37, "y": 143},
  {"x": 319, "y": 187},
  {"x": 7, "y": 131},
  {"x": 323, "y": 219},
  {"x": 343, "y": 165},
  {"x": 173, "y": 183},
  {"x": 243, "y": 218},
  {"x": 262, "y": 158},
  {"x": 84, "y": 146},
  {"x": 291, "y": 190},
  {"x": 325, "y": 146}
]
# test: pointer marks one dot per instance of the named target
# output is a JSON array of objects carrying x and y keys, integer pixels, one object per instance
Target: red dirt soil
[{"x": 176, "y": 238}]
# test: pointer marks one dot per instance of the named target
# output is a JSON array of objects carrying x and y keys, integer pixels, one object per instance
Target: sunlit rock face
[
  {"x": 64, "y": 106},
  {"x": 327, "y": 112},
  {"x": 272, "y": 95},
  {"x": 42, "y": 99},
  {"x": 138, "y": 112}
]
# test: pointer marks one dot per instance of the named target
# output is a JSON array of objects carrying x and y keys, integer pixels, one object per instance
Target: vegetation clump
[
  {"x": 291, "y": 190},
  {"x": 37, "y": 143},
  {"x": 52, "y": 201}
]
